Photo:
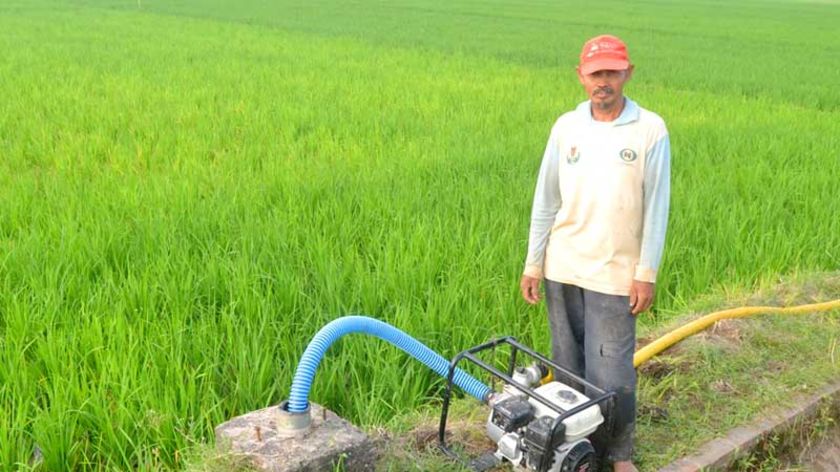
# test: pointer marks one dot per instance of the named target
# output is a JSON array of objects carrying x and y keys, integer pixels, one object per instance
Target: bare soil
[{"x": 820, "y": 456}]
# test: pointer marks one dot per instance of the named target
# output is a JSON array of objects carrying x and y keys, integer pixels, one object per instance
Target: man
[{"x": 597, "y": 232}]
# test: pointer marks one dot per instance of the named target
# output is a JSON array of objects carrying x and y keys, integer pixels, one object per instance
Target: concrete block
[
  {"x": 715, "y": 455},
  {"x": 743, "y": 439},
  {"x": 329, "y": 441},
  {"x": 682, "y": 465}
]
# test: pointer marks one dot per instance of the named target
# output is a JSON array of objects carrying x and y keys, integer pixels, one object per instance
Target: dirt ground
[{"x": 824, "y": 456}]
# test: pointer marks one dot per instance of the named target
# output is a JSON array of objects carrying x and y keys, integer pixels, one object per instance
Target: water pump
[{"x": 538, "y": 424}]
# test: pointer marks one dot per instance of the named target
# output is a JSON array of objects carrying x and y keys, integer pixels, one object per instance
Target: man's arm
[
  {"x": 657, "y": 196},
  {"x": 546, "y": 204}
]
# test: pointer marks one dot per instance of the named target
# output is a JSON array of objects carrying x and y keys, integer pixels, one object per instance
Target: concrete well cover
[{"x": 329, "y": 441}]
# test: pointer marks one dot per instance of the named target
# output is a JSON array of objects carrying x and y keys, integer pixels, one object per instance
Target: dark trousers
[{"x": 594, "y": 335}]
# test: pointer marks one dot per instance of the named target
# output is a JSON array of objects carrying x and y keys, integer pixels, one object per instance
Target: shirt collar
[{"x": 629, "y": 114}]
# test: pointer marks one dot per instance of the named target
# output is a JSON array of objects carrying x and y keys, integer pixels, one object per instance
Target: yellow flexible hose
[{"x": 677, "y": 335}]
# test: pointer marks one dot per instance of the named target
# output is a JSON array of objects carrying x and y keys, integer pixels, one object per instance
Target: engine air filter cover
[{"x": 512, "y": 414}]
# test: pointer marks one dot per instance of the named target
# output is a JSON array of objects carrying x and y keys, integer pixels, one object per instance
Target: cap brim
[{"x": 604, "y": 64}]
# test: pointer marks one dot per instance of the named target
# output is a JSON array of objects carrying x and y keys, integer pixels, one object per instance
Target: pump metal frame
[{"x": 558, "y": 430}]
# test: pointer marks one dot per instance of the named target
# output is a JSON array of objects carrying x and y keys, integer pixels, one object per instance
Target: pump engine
[
  {"x": 523, "y": 428},
  {"x": 536, "y": 422}
]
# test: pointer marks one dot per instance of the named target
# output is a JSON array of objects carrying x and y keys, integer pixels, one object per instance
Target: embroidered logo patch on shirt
[
  {"x": 627, "y": 155},
  {"x": 573, "y": 155}
]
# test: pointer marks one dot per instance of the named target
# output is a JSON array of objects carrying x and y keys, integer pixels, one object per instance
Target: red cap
[{"x": 603, "y": 52}]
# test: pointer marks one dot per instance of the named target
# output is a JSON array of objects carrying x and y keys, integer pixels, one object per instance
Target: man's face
[{"x": 604, "y": 87}]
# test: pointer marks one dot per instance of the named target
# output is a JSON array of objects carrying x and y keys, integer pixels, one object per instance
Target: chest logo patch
[
  {"x": 627, "y": 155},
  {"x": 573, "y": 156}
]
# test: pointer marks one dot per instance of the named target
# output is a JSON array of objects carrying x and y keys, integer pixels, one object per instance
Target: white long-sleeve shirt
[{"x": 601, "y": 204}]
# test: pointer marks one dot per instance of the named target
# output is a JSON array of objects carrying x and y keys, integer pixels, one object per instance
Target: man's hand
[
  {"x": 530, "y": 287},
  {"x": 641, "y": 296}
]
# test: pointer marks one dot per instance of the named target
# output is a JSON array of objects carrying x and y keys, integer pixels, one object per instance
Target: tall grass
[{"x": 189, "y": 191}]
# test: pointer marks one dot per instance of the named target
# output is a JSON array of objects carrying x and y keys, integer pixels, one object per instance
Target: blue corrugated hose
[{"x": 305, "y": 373}]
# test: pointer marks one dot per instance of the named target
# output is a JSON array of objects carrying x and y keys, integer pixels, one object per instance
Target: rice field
[{"x": 190, "y": 189}]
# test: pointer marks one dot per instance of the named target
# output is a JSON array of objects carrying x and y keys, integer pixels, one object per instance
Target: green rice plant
[{"x": 190, "y": 190}]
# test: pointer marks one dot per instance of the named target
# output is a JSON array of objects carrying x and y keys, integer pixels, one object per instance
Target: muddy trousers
[{"x": 594, "y": 335}]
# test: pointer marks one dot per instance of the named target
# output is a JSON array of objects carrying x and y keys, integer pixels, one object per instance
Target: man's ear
[
  {"x": 580, "y": 76},
  {"x": 629, "y": 73}
]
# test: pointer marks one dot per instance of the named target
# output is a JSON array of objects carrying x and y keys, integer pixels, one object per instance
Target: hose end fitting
[{"x": 290, "y": 421}]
